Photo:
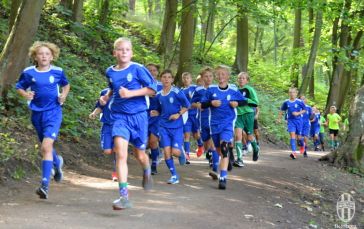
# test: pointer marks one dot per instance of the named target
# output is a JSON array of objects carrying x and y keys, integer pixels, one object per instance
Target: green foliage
[{"x": 18, "y": 173}]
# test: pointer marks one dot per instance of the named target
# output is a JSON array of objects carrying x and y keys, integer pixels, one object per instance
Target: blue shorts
[
  {"x": 132, "y": 127},
  {"x": 153, "y": 126},
  {"x": 192, "y": 125},
  {"x": 47, "y": 123},
  {"x": 172, "y": 137},
  {"x": 306, "y": 127},
  {"x": 315, "y": 130},
  {"x": 205, "y": 133},
  {"x": 222, "y": 133},
  {"x": 294, "y": 125},
  {"x": 106, "y": 139}
]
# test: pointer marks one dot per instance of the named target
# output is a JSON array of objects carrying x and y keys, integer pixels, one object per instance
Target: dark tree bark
[
  {"x": 242, "y": 42},
  {"x": 14, "y": 56},
  {"x": 187, "y": 38},
  {"x": 105, "y": 8},
  {"x": 150, "y": 8},
  {"x": 67, "y": 4},
  {"x": 77, "y": 15},
  {"x": 351, "y": 153},
  {"x": 15, "y": 5},
  {"x": 313, "y": 52},
  {"x": 296, "y": 46},
  {"x": 311, "y": 86},
  {"x": 132, "y": 6},
  {"x": 157, "y": 7},
  {"x": 169, "y": 27}
]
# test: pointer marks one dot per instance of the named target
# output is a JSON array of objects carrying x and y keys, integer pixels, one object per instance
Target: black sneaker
[
  {"x": 42, "y": 192},
  {"x": 153, "y": 170},
  {"x": 256, "y": 154},
  {"x": 147, "y": 182},
  {"x": 58, "y": 173},
  {"x": 305, "y": 154},
  {"x": 222, "y": 183},
  {"x": 293, "y": 156},
  {"x": 213, "y": 175},
  {"x": 239, "y": 163},
  {"x": 188, "y": 162}
]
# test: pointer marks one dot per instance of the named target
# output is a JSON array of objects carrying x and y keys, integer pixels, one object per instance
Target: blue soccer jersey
[
  {"x": 197, "y": 98},
  {"x": 224, "y": 113},
  {"x": 306, "y": 116},
  {"x": 293, "y": 106},
  {"x": 106, "y": 112},
  {"x": 169, "y": 104},
  {"x": 45, "y": 85},
  {"x": 189, "y": 91},
  {"x": 133, "y": 77}
]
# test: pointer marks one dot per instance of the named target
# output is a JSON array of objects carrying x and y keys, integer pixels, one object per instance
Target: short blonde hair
[
  {"x": 186, "y": 74},
  {"x": 121, "y": 40},
  {"x": 244, "y": 74},
  {"x": 293, "y": 89},
  {"x": 223, "y": 67},
  {"x": 206, "y": 69},
  {"x": 38, "y": 44}
]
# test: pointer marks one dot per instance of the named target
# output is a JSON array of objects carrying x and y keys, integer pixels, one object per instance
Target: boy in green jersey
[{"x": 333, "y": 120}]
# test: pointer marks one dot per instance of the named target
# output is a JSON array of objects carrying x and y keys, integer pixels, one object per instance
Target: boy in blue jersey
[
  {"x": 106, "y": 140},
  {"x": 129, "y": 84},
  {"x": 294, "y": 108},
  {"x": 43, "y": 81},
  {"x": 192, "y": 124},
  {"x": 222, "y": 99},
  {"x": 207, "y": 76},
  {"x": 306, "y": 125},
  {"x": 315, "y": 127},
  {"x": 172, "y": 105},
  {"x": 153, "y": 121}
]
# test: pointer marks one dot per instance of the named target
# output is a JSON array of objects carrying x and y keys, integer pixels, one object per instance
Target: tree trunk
[
  {"x": 311, "y": 86},
  {"x": 77, "y": 15},
  {"x": 313, "y": 52},
  {"x": 210, "y": 23},
  {"x": 150, "y": 8},
  {"x": 242, "y": 42},
  {"x": 67, "y": 4},
  {"x": 169, "y": 27},
  {"x": 15, "y": 5},
  {"x": 351, "y": 153},
  {"x": 14, "y": 56},
  {"x": 187, "y": 38},
  {"x": 132, "y": 6},
  {"x": 105, "y": 7},
  {"x": 157, "y": 7},
  {"x": 296, "y": 46}
]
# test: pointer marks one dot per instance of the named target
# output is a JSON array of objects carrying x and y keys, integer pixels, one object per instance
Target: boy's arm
[
  {"x": 179, "y": 114},
  {"x": 125, "y": 93},
  {"x": 62, "y": 97},
  {"x": 95, "y": 112},
  {"x": 279, "y": 118},
  {"x": 29, "y": 95},
  {"x": 257, "y": 112}
]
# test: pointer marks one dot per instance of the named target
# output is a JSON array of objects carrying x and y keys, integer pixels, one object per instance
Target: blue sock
[
  {"x": 223, "y": 174},
  {"x": 199, "y": 142},
  {"x": 302, "y": 142},
  {"x": 187, "y": 146},
  {"x": 293, "y": 144},
  {"x": 123, "y": 190},
  {"x": 215, "y": 161},
  {"x": 147, "y": 171},
  {"x": 155, "y": 155},
  {"x": 55, "y": 159},
  {"x": 46, "y": 172},
  {"x": 170, "y": 165}
]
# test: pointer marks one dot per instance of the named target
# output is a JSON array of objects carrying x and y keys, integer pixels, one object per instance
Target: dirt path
[{"x": 275, "y": 192}]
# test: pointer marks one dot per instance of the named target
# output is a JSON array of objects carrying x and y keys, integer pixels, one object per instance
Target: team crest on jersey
[
  {"x": 214, "y": 95},
  {"x": 129, "y": 77},
  {"x": 244, "y": 93},
  {"x": 176, "y": 145},
  {"x": 171, "y": 100},
  {"x": 228, "y": 97},
  {"x": 110, "y": 80},
  {"x": 33, "y": 79},
  {"x": 51, "y": 79},
  {"x": 295, "y": 106}
]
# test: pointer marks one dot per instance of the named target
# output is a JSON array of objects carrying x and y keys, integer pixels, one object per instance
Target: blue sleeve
[
  {"x": 158, "y": 104},
  {"x": 24, "y": 82},
  {"x": 237, "y": 96},
  {"x": 302, "y": 105},
  {"x": 63, "y": 82},
  {"x": 146, "y": 79},
  {"x": 284, "y": 106},
  {"x": 196, "y": 97},
  {"x": 206, "y": 97},
  {"x": 183, "y": 99}
]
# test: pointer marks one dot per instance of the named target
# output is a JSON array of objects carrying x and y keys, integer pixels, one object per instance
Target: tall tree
[
  {"x": 150, "y": 8},
  {"x": 296, "y": 46},
  {"x": 210, "y": 22},
  {"x": 67, "y": 4},
  {"x": 15, "y": 4},
  {"x": 132, "y": 6},
  {"x": 169, "y": 27},
  {"x": 14, "y": 55},
  {"x": 105, "y": 8},
  {"x": 311, "y": 60},
  {"x": 187, "y": 38},
  {"x": 77, "y": 14},
  {"x": 351, "y": 153},
  {"x": 311, "y": 86},
  {"x": 242, "y": 41}
]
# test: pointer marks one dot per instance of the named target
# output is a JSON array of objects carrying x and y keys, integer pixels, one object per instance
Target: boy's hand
[
  {"x": 103, "y": 100},
  {"x": 61, "y": 99},
  {"x": 124, "y": 93},
  {"x": 233, "y": 104},
  {"x": 296, "y": 113},
  {"x": 154, "y": 113},
  {"x": 174, "y": 116},
  {"x": 278, "y": 121},
  {"x": 93, "y": 115},
  {"x": 216, "y": 103},
  {"x": 29, "y": 95}
]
